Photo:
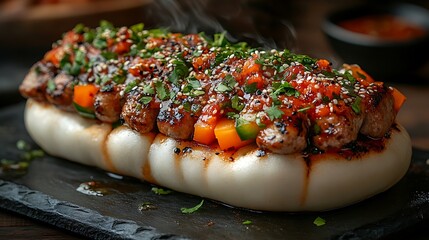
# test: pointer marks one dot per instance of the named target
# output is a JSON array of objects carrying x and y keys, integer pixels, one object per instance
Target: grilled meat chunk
[
  {"x": 175, "y": 122},
  {"x": 337, "y": 130},
  {"x": 108, "y": 104},
  {"x": 138, "y": 116},
  {"x": 35, "y": 83},
  {"x": 284, "y": 137},
  {"x": 62, "y": 94},
  {"x": 380, "y": 115}
]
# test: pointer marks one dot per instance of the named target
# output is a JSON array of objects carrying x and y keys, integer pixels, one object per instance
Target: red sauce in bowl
[{"x": 387, "y": 27}]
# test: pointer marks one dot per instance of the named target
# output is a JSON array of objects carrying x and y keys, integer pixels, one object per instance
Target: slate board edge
[{"x": 82, "y": 221}]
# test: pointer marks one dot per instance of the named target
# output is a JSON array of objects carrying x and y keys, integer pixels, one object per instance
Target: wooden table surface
[{"x": 414, "y": 115}]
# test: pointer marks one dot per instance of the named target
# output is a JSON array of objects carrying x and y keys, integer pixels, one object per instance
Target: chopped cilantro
[
  {"x": 251, "y": 88},
  {"x": 51, "y": 85},
  {"x": 148, "y": 89},
  {"x": 193, "y": 88},
  {"x": 236, "y": 103},
  {"x": 303, "y": 109},
  {"x": 180, "y": 71},
  {"x": 130, "y": 86},
  {"x": 137, "y": 27},
  {"x": 350, "y": 77},
  {"x": 79, "y": 28},
  {"x": 219, "y": 40},
  {"x": 274, "y": 112},
  {"x": 316, "y": 129},
  {"x": 226, "y": 85},
  {"x": 22, "y": 145},
  {"x": 160, "y": 191},
  {"x": 161, "y": 92},
  {"x": 247, "y": 222},
  {"x": 109, "y": 55},
  {"x": 192, "y": 209},
  {"x": 89, "y": 36},
  {"x": 356, "y": 105},
  {"x": 158, "y": 32},
  {"x": 319, "y": 221},
  {"x": 99, "y": 43},
  {"x": 145, "y": 100}
]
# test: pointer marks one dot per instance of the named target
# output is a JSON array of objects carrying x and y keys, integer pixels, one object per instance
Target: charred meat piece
[
  {"x": 284, "y": 137},
  {"x": 334, "y": 130},
  {"x": 175, "y": 122},
  {"x": 35, "y": 83},
  {"x": 138, "y": 116},
  {"x": 62, "y": 93},
  {"x": 108, "y": 105},
  {"x": 380, "y": 115}
]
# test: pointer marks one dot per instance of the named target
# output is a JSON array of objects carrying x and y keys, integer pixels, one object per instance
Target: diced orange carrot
[
  {"x": 84, "y": 95},
  {"x": 227, "y": 136},
  {"x": 399, "y": 99},
  {"x": 204, "y": 133},
  {"x": 256, "y": 78},
  {"x": 324, "y": 65},
  {"x": 54, "y": 56}
]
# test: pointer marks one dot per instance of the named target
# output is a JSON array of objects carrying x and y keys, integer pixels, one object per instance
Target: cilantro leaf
[
  {"x": 247, "y": 222},
  {"x": 137, "y": 27},
  {"x": 219, "y": 40},
  {"x": 192, "y": 209},
  {"x": 251, "y": 88},
  {"x": 180, "y": 71},
  {"x": 285, "y": 88},
  {"x": 319, "y": 221},
  {"x": 161, "y": 92},
  {"x": 145, "y": 100},
  {"x": 226, "y": 85},
  {"x": 356, "y": 105},
  {"x": 274, "y": 112},
  {"x": 160, "y": 191},
  {"x": 236, "y": 104}
]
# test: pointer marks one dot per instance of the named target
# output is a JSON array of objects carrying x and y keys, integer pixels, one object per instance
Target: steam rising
[{"x": 243, "y": 20}]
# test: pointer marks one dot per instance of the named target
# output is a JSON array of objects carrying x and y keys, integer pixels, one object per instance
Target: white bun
[{"x": 271, "y": 182}]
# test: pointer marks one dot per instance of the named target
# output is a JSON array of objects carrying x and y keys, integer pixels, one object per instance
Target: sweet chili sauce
[{"x": 384, "y": 26}]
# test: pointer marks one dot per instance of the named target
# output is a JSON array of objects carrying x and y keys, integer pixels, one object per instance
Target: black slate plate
[{"x": 47, "y": 192}]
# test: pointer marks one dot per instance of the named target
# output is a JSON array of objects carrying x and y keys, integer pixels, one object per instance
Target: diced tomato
[
  {"x": 324, "y": 65},
  {"x": 72, "y": 37},
  {"x": 122, "y": 47}
]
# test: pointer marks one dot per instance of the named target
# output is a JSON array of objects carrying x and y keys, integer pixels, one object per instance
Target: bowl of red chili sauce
[{"x": 389, "y": 41}]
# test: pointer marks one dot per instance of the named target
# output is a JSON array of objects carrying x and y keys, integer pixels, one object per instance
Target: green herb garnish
[
  {"x": 226, "y": 85},
  {"x": 356, "y": 105},
  {"x": 145, "y": 100},
  {"x": 192, "y": 209},
  {"x": 247, "y": 222},
  {"x": 319, "y": 221},
  {"x": 161, "y": 92},
  {"x": 160, "y": 191},
  {"x": 179, "y": 72},
  {"x": 274, "y": 112}
]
